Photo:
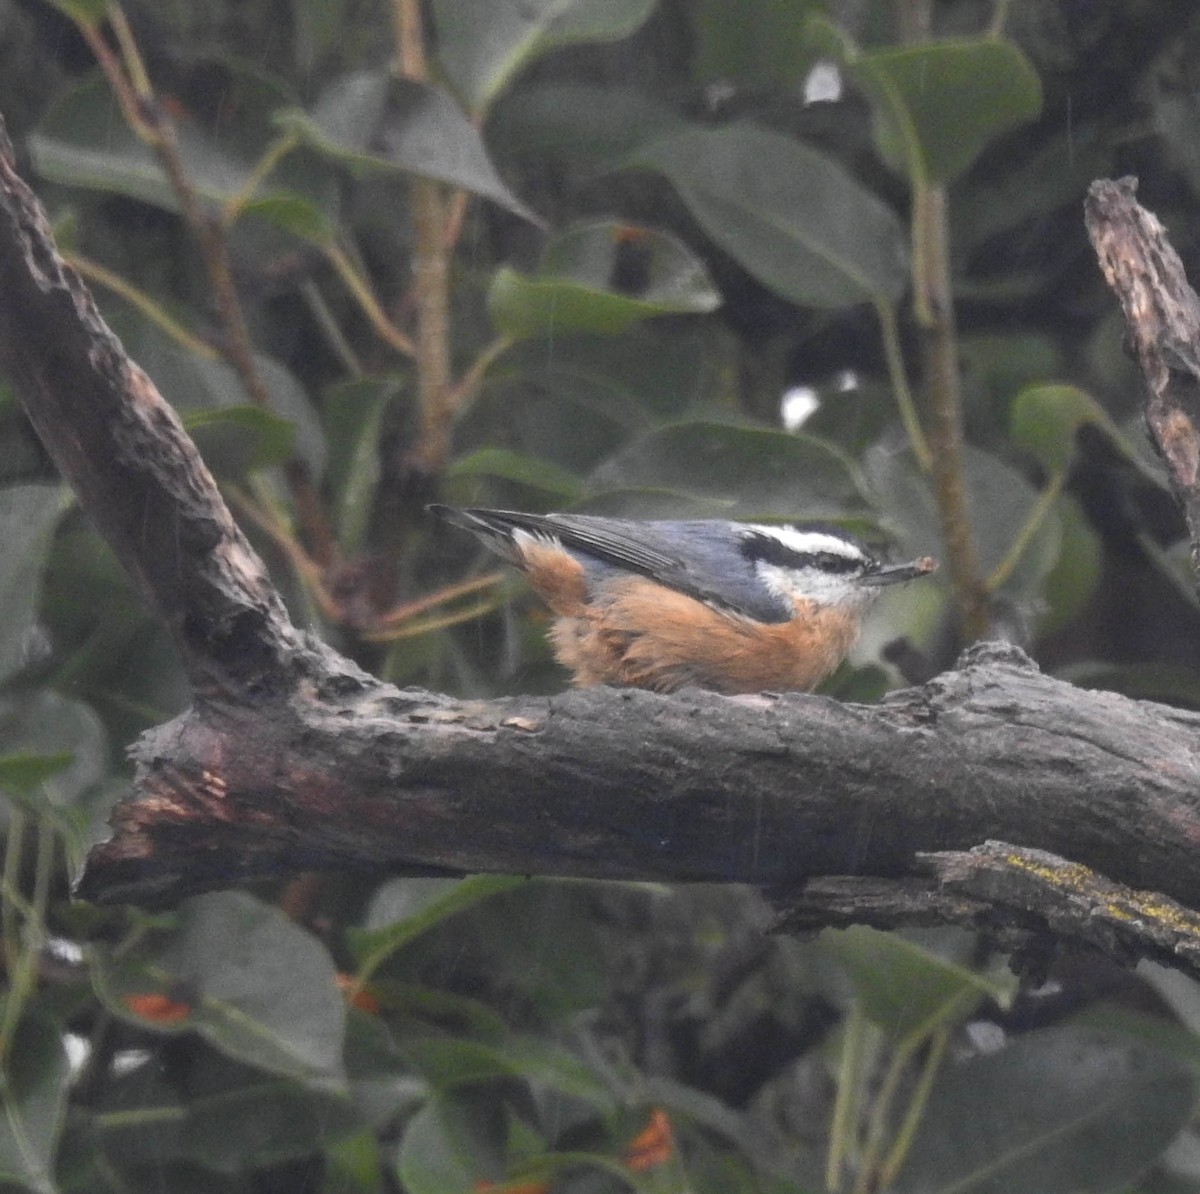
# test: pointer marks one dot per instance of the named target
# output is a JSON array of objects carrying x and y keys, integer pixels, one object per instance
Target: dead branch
[{"x": 1162, "y": 313}]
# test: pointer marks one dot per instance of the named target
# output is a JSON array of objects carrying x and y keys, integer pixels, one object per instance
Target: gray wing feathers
[{"x": 699, "y": 558}]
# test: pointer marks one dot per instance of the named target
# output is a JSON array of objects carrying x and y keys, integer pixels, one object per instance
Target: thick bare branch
[
  {"x": 122, "y": 448},
  {"x": 631, "y": 784}
]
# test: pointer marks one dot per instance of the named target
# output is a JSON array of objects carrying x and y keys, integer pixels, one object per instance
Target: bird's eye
[
  {"x": 767, "y": 549},
  {"x": 830, "y": 561}
]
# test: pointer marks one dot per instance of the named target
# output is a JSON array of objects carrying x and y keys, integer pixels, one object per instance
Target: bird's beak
[{"x": 893, "y": 574}]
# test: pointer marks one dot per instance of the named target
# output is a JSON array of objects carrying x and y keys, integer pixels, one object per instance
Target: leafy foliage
[{"x": 635, "y": 258}]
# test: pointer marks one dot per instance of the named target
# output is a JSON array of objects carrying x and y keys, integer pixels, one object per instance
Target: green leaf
[
  {"x": 903, "y": 988},
  {"x": 754, "y": 472},
  {"x": 26, "y": 773},
  {"x": 448, "y": 1062},
  {"x": 1071, "y": 583},
  {"x": 1064, "y": 1111},
  {"x": 264, "y": 1122},
  {"x": 353, "y": 1166},
  {"x": 1000, "y": 500},
  {"x": 591, "y": 127},
  {"x": 45, "y": 726},
  {"x": 84, "y": 141},
  {"x": 1173, "y": 1039},
  {"x": 450, "y": 1147},
  {"x": 376, "y": 123},
  {"x": 1044, "y": 420},
  {"x": 295, "y": 214},
  {"x": 256, "y": 986},
  {"x": 353, "y": 414},
  {"x": 223, "y": 1116},
  {"x": 403, "y": 909},
  {"x": 34, "y": 1104},
  {"x": 516, "y": 466},
  {"x": 381, "y": 1078},
  {"x": 601, "y": 277},
  {"x": 755, "y": 42},
  {"x": 28, "y": 517},
  {"x": 235, "y": 440},
  {"x": 196, "y": 383},
  {"x": 482, "y": 44},
  {"x": 546, "y": 938},
  {"x": 792, "y": 216},
  {"x": 939, "y": 105},
  {"x": 654, "y": 373}
]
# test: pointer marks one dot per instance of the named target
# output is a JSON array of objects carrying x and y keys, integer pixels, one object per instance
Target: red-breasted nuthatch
[{"x": 734, "y": 607}]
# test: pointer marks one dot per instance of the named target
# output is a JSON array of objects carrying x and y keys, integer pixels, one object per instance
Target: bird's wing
[{"x": 697, "y": 558}]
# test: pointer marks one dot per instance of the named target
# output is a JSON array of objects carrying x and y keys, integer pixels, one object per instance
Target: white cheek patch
[{"x": 825, "y": 588}]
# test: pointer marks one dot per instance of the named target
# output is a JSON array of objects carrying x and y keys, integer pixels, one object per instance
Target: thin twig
[
  {"x": 464, "y": 391},
  {"x": 431, "y": 272},
  {"x": 916, "y": 1108},
  {"x": 933, "y": 300},
  {"x": 361, "y": 291},
  {"x": 142, "y": 301},
  {"x": 1037, "y": 515},
  {"x": 263, "y": 169},
  {"x": 890, "y": 335},
  {"x": 400, "y": 614},
  {"x": 856, "y": 1028},
  {"x": 304, "y": 566}
]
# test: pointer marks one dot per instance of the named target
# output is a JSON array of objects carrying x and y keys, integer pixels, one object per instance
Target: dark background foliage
[{"x": 629, "y": 257}]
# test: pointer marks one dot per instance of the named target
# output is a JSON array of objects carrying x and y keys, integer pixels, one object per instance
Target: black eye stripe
[{"x": 769, "y": 550}]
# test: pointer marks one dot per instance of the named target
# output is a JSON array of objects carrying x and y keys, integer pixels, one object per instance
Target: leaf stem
[
  {"x": 846, "y": 1104},
  {"x": 464, "y": 391},
  {"x": 933, "y": 303},
  {"x": 13, "y": 847},
  {"x": 890, "y": 334},
  {"x": 916, "y": 1108},
  {"x": 263, "y": 168},
  {"x": 867, "y": 1180},
  {"x": 1037, "y": 515},
  {"x": 360, "y": 289},
  {"x": 94, "y": 272},
  {"x": 337, "y": 340},
  {"x": 999, "y": 18},
  {"x": 23, "y": 976},
  {"x": 135, "y": 67}
]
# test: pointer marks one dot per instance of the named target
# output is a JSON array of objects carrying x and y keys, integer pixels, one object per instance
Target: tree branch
[
  {"x": 292, "y": 758},
  {"x": 123, "y": 449},
  {"x": 1163, "y": 315}
]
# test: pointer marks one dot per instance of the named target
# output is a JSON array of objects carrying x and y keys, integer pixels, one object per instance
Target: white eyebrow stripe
[{"x": 808, "y": 541}]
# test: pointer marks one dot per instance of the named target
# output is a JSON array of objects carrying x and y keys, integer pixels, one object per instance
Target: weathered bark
[
  {"x": 1162, "y": 313},
  {"x": 630, "y": 784},
  {"x": 291, "y": 758}
]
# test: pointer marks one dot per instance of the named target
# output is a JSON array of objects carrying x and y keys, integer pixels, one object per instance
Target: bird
[{"x": 727, "y": 606}]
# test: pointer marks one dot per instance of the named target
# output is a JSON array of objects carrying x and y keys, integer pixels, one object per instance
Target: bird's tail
[{"x": 494, "y": 528}]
